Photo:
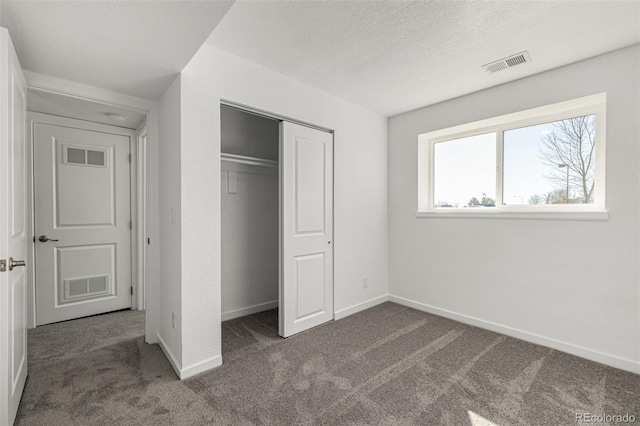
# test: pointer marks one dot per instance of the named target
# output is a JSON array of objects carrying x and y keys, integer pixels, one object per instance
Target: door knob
[
  {"x": 14, "y": 263},
  {"x": 44, "y": 239}
]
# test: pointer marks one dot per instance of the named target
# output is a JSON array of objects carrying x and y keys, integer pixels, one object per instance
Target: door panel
[
  {"x": 13, "y": 239},
  {"x": 85, "y": 273},
  {"x": 310, "y": 285},
  {"x": 306, "y": 203},
  {"x": 93, "y": 183},
  {"x": 18, "y": 189},
  {"x": 309, "y": 186},
  {"x": 82, "y": 200},
  {"x": 18, "y": 335}
]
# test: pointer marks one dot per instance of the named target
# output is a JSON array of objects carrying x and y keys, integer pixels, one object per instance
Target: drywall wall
[
  {"x": 249, "y": 211},
  {"x": 169, "y": 240},
  {"x": 248, "y": 134},
  {"x": 568, "y": 284},
  {"x": 360, "y": 194}
]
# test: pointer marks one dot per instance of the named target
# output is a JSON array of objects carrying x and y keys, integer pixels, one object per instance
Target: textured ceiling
[
  {"x": 388, "y": 56},
  {"x": 394, "y": 56},
  {"x": 131, "y": 47}
]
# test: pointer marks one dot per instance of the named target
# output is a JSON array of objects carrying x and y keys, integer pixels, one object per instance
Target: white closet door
[{"x": 306, "y": 240}]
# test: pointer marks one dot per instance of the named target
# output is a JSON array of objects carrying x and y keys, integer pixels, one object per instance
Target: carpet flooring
[{"x": 388, "y": 365}]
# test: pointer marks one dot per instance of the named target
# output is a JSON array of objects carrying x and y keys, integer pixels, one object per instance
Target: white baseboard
[
  {"x": 360, "y": 307},
  {"x": 590, "y": 354},
  {"x": 177, "y": 366},
  {"x": 249, "y": 310},
  {"x": 197, "y": 368},
  {"x": 201, "y": 367}
]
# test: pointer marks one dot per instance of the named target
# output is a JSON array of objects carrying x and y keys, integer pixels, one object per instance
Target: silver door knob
[
  {"x": 14, "y": 263},
  {"x": 44, "y": 239}
]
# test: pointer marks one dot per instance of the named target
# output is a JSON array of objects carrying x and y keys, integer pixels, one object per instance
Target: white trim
[
  {"x": 152, "y": 292},
  {"x": 580, "y": 351},
  {"x": 141, "y": 219},
  {"x": 237, "y": 313},
  {"x": 353, "y": 309},
  {"x": 75, "y": 90},
  {"x": 186, "y": 372},
  {"x": 201, "y": 367},
  {"x": 175, "y": 364},
  {"x": 134, "y": 205},
  {"x": 30, "y": 190},
  {"x": 528, "y": 215},
  {"x": 594, "y": 104}
]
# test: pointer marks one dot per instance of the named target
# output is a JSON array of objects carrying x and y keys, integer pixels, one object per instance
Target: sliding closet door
[{"x": 306, "y": 240}]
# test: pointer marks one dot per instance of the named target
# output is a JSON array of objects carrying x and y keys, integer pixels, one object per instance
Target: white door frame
[
  {"x": 139, "y": 300},
  {"x": 143, "y": 278}
]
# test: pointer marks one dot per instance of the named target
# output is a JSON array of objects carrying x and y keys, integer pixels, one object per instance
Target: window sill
[{"x": 496, "y": 214}]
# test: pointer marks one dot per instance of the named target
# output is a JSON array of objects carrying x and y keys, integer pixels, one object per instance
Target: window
[
  {"x": 463, "y": 169},
  {"x": 545, "y": 162}
]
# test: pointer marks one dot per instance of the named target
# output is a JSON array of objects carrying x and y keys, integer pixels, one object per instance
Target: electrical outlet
[
  {"x": 365, "y": 281},
  {"x": 173, "y": 320}
]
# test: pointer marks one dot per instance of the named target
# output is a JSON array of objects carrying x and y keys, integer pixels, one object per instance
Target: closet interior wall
[{"x": 250, "y": 214}]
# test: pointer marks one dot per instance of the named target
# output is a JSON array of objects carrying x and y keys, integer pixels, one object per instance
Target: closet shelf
[{"x": 243, "y": 159}]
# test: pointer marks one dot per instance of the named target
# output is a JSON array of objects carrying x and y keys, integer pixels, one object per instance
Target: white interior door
[
  {"x": 82, "y": 222},
  {"x": 13, "y": 237},
  {"x": 306, "y": 240}
]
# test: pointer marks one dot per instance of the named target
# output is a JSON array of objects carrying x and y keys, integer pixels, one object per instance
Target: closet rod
[{"x": 243, "y": 159}]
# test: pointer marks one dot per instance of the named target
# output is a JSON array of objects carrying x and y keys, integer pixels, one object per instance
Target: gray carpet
[{"x": 387, "y": 365}]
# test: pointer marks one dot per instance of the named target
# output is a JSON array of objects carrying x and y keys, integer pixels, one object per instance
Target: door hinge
[
  {"x": 3, "y": 265},
  {"x": 129, "y": 158},
  {"x": 130, "y": 224},
  {"x": 131, "y": 290},
  {"x": 148, "y": 241}
]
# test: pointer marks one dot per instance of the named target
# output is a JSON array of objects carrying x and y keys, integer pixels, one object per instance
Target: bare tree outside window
[
  {"x": 536, "y": 199},
  {"x": 568, "y": 152}
]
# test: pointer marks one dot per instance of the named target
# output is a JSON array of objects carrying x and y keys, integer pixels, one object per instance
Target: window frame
[{"x": 588, "y": 105}]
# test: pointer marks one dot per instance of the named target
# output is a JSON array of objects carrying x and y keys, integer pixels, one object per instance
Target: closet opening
[
  {"x": 250, "y": 145},
  {"x": 277, "y": 226}
]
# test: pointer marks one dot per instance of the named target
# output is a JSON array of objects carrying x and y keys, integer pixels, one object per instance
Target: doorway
[
  {"x": 84, "y": 201},
  {"x": 276, "y": 219},
  {"x": 249, "y": 212}
]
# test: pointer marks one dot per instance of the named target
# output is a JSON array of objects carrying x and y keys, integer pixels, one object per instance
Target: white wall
[
  {"x": 250, "y": 216},
  {"x": 360, "y": 230},
  {"x": 169, "y": 239},
  {"x": 570, "y": 285}
]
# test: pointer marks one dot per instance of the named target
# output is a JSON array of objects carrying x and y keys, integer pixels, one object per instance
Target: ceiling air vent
[{"x": 508, "y": 62}]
